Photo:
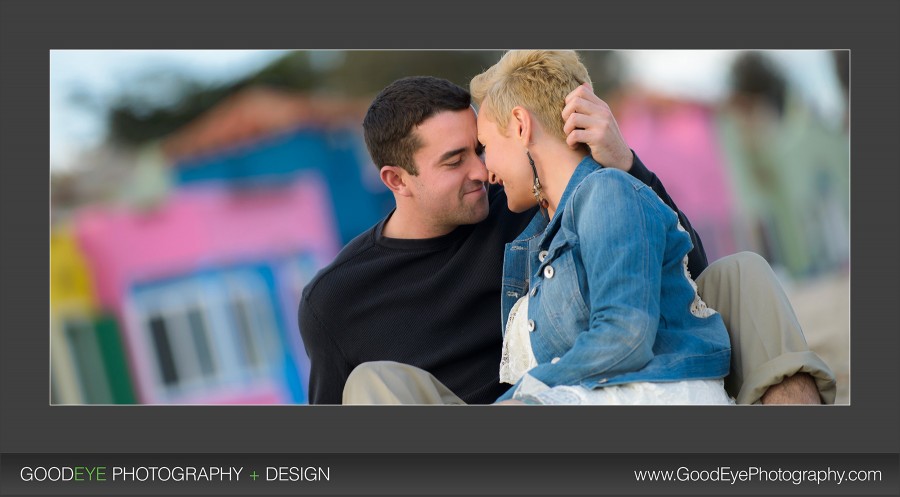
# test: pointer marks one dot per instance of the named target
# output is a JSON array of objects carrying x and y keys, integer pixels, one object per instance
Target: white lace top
[{"x": 517, "y": 357}]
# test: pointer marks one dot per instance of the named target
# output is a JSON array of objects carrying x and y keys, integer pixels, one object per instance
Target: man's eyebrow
[{"x": 448, "y": 155}]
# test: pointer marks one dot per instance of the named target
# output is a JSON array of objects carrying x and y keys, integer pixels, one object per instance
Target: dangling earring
[{"x": 536, "y": 188}]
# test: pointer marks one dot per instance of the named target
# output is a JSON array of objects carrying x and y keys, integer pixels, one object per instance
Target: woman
[{"x": 612, "y": 315}]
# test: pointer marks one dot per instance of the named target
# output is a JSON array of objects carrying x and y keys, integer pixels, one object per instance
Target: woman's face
[{"x": 507, "y": 164}]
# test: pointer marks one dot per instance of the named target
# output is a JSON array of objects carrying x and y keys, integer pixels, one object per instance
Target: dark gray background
[
  {"x": 463, "y": 474},
  {"x": 29, "y": 29}
]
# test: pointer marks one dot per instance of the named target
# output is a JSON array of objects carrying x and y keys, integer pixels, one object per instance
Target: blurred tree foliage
[
  {"x": 161, "y": 103},
  {"x": 139, "y": 114}
]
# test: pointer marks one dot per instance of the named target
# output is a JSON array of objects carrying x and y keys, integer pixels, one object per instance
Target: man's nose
[{"x": 478, "y": 171}]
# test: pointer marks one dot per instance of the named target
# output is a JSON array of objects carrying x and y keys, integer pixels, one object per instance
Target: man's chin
[{"x": 477, "y": 214}]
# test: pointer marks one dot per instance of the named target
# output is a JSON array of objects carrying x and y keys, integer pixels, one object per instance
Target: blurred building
[
  {"x": 749, "y": 175},
  {"x": 677, "y": 140},
  {"x": 223, "y": 224},
  {"x": 87, "y": 356}
]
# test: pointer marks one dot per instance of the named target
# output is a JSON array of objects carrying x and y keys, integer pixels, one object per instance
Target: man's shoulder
[{"x": 333, "y": 275}]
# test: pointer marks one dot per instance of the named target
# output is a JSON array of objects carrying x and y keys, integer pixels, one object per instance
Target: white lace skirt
[{"x": 518, "y": 358}]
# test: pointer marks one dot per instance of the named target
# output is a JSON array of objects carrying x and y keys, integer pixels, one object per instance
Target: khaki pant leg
[
  {"x": 767, "y": 343},
  {"x": 387, "y": 382}
]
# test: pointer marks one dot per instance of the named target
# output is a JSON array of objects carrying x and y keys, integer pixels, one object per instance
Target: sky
[
  {"x": 703, "y": 74},
  {"x": 100, "y": 75},
  {"x": 103, "y": 74}
]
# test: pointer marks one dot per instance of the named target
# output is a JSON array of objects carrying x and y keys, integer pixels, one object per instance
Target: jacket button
[
  {"x": 542, "y": 255},
  {"x": 531, "y": 325},
  {"x": 554, "y": 360},
  {"x": 548, "y": 272},
  {"x": 534, "y": 291}
]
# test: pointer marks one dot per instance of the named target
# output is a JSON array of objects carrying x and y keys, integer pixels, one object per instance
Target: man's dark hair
[{"x": 390, "y": 121}]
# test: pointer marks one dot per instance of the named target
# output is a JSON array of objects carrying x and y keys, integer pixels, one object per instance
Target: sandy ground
[{"x": 823, "y": 308}]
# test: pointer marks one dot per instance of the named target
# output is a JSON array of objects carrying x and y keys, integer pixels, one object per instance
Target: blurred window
[
  {"x": 200, "y": 338},
  {"x": 164, "y": 358},
  {"x": 88, "y": 361},
  {"x": 253, "y": 318},
  {"x": 209, "y": 330}
]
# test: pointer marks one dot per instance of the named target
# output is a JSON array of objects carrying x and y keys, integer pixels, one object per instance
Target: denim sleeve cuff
[{"x": 775, "y": 371}]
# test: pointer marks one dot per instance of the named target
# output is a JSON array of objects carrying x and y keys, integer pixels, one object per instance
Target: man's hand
[{"x": 589, "y": 121}]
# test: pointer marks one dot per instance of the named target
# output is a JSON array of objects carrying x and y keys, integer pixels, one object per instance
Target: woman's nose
[{"x": 492, "y": 178}]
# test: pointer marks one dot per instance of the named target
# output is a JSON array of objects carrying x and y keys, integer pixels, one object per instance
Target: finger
[
  {"x": 573, "y": 94},
  {"x": 577, "y": 105},
  {"x": 567, "y": 111},
  {"x": 589, "y": 115},
  {"x": 577, "y": 137},
  {"x": 583, "y": 121},
  {"x": 588, "y": 94},
  {"x": 587, "y": 107},
  {"x": 584, "y": 92}
]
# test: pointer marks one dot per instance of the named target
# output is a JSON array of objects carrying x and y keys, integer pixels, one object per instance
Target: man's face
[{"x": 450, "y": 189}]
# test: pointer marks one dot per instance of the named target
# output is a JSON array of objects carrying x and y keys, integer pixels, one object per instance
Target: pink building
[
  {"x": 206, "y": 287},
  {"x": 677, "y": 140}
]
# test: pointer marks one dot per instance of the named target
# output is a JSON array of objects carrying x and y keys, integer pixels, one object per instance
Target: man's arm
[
  {"x": 697, "y": 260},
  {"x": 589, "y": 120},
  {"x": 328, "y": 369}
]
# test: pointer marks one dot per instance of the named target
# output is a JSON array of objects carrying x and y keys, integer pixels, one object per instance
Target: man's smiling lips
[{"x": 480, "y": 190}]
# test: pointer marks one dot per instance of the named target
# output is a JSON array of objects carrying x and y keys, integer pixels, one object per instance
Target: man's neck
[{"x": 404, "y": 224}]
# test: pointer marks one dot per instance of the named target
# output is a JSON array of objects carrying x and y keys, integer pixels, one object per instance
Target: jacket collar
[{"x": 587, "y": 166}]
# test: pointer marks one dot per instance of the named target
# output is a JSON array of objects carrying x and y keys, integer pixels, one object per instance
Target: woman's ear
[
  {"x": 395, "y": 178},
  {"x": 521, "y": 125}
]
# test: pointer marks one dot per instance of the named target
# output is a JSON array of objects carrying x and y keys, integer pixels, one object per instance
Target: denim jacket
[{"x": 610, "y": 297}]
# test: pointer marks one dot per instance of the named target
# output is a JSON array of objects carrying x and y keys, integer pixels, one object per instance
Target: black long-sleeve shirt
[{"x": 431, "y": 303}]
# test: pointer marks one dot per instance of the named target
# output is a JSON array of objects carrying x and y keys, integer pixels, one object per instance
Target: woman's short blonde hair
[{"x": 537, "y": 80}]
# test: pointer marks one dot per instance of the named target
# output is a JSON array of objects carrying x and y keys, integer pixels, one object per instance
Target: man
[{"x": 422, "y": 288}]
